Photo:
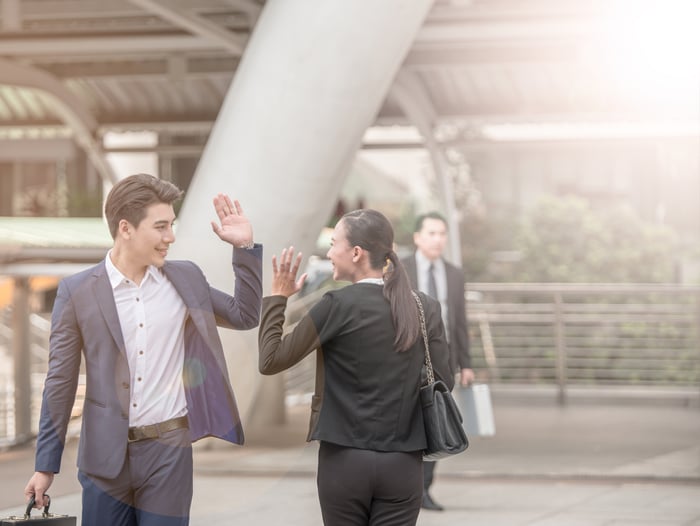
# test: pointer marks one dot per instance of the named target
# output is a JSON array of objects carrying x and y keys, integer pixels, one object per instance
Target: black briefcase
[{"x": 46, "y": 518}]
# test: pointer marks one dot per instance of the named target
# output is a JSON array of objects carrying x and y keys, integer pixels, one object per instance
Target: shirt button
[
  {"x": 125, "y": 385},
  {"x": 140, "y": 324},
  {"x": 139, "y": 378},
  {"x": 140, "y": 352},
  {"x": 137, "y": 299},
  {"x": 134, "y": 405}
]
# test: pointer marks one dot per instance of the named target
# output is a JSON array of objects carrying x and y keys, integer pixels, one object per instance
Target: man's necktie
[{"x": 432, "y": 285}]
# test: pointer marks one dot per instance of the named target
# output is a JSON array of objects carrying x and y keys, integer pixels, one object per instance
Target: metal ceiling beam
[
  {"x": 450, "y": 10},
  {"x": 460, "y": 55},
  {"x": 202, "y": 125},
  {"x": 251, "y": 8},
  {"x": 67, "y": 107},
  {"x": 10, "y": 15},
  {"x": 114, "y": 46},
  {"x": 140, "y": 68},
  {"x": 435, "y": 36},
  {"x": 509, "y": 30},
  {"x": 456, "y": 56},
  {"x": 38, "y": 10},
  {"x": 452, "y": 52},
  {"x": 195, "y": 24},
  {"x": 179, "y": 127}
]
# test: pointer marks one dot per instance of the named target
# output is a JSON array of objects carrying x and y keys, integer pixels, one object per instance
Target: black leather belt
[{"x": 156, "y": 430}]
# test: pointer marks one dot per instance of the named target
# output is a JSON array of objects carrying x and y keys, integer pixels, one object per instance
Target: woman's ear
[{"x": 356, "y": 253}]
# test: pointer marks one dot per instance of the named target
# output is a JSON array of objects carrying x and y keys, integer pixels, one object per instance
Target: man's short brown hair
[{"x": 129, "y": 198}]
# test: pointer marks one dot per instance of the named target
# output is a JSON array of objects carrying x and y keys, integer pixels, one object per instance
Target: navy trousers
[{"x": 154, "y": 487}]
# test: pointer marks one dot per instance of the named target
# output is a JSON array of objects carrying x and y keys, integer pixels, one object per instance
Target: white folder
[{"x": 474, "y": 402}]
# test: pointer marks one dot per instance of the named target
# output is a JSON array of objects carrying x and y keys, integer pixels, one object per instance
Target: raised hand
[
  {"x": 235, "y": 227},
  {"x": 284, "y": 276}
]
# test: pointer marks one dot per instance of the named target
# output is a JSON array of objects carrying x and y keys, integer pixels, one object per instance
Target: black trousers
[
  {"x": 428, "y": 474},
  {"x": 359, "y": 487}
]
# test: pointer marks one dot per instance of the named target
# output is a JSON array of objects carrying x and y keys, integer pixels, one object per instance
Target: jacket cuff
[{"x": 256, "y": 252}]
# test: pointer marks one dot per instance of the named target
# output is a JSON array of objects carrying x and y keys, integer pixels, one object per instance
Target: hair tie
[{"x": 388, "y": 265}]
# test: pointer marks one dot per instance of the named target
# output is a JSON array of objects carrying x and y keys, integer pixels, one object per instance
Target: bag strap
[{"x": 428, "y": 362}]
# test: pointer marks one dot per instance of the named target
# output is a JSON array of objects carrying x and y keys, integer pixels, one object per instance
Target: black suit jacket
[
  {"x": 366, "y": 392},
  {"x": 456, "y": 312}
]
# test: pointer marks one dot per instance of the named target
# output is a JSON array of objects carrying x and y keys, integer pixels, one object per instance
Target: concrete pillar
[
  {"x": 21, "y": 355},
  {"x": 311, "y": 80}
]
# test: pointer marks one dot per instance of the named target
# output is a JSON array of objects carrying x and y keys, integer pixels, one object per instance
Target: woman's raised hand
[{"x": 284, "y": 275}]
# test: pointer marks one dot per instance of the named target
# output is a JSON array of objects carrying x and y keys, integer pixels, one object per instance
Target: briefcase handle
[{"x": 30, "y": 505}]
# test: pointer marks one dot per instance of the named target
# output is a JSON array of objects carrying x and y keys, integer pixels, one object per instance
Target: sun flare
[{"x": 654, "y": 45}]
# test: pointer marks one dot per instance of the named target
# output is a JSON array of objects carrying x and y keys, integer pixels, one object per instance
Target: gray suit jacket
[{"x": 85, "y": 319}]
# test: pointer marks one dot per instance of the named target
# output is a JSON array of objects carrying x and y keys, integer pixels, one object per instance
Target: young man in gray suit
[
  {"x": 156, "y": 377},
  {"x": 430, "y": 273}
]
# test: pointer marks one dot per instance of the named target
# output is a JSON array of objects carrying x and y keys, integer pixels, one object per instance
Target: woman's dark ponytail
[
  {"x": 372, "y": 231},
  {"x": 404, "y": 311}
]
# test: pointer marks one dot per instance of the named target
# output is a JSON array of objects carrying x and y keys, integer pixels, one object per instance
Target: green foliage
[
  {"x": 566, "y": 240},
  {"x": 84, "y": 204},
  {"x": 481, "y": 237}
]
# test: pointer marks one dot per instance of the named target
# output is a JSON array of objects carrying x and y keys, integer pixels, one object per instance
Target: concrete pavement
[{"x": 600, "y": 462}]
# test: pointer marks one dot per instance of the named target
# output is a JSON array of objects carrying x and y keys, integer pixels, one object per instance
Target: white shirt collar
[
  {"x": 424, "y": 263},
  {"x": 116, "y": 278},
  {"x": 375, "y": 281}
]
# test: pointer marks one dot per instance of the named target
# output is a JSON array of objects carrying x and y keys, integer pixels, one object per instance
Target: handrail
[
  {"x": 567, "y": 341},
  {"x": 515, "y": 339}
]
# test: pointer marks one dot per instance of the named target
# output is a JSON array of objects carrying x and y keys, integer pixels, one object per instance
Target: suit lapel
[
  {"x": 104, "y": 297},
  {"x": 184, "y": 289}
]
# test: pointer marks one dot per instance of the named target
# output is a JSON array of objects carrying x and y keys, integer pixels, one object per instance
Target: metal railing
[
  {"x": 39, "y": 344},
  {"x": 636, "y": 335},
  {"x": 571, "y": 335},
  {"x": 556, "y": 335}
]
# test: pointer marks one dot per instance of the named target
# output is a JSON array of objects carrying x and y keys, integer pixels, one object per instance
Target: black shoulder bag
[{"x": 444, "y": 433}]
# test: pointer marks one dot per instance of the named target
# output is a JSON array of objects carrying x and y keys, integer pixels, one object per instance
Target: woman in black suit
[{"x": 365, "y": 411}]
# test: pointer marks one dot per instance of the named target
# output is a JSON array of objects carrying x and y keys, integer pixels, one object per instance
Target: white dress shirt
[
  {"x": 152, "y": 318},
  {"x": 422, "y": 267}
]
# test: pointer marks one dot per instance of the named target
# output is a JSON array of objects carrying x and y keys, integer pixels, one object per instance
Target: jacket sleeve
[
  {"x": 439, "y": 352},
  {"x": 242, "y": 310},
  {"x": 460, "y": 334},
  {"x": 65, "y": 346},
  {"x": 278, "y": 352}
]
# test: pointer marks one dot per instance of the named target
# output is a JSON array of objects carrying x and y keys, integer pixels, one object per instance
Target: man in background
[{"x": 431, "y": 274}]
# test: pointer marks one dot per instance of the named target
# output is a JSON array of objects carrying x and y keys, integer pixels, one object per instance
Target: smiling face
[
  {"x": 148, "y": 243},
  {"x": 431, "y": 239},
  {"x": 342, "y": 255}
]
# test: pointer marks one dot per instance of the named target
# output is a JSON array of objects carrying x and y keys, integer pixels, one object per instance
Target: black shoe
[{"x": 429, "y": 504}]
